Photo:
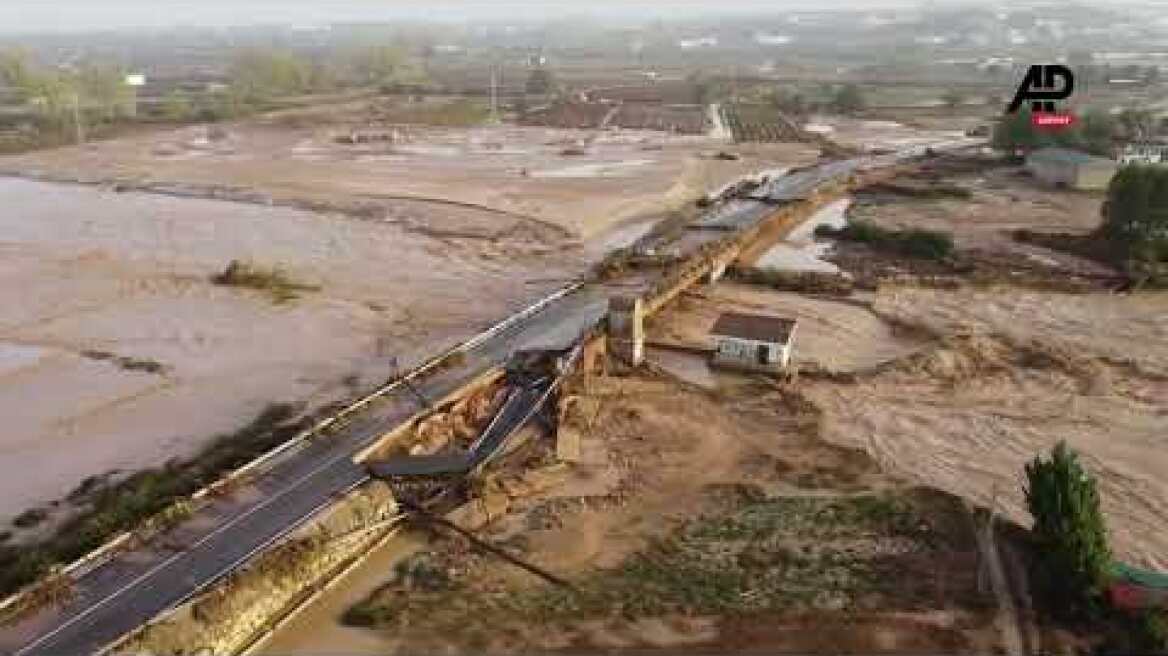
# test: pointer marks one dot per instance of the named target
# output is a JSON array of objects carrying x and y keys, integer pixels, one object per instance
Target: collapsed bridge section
[{"x": 438, "y": 481}]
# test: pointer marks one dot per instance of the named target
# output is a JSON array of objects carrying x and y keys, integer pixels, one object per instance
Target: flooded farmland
[{"x": 118, "y": 353}]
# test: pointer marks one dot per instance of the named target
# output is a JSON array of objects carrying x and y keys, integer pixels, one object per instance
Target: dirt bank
[{"x": 692, "y": 519}]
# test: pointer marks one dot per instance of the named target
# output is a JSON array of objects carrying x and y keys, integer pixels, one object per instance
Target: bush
[
  {"x": 1136, "y": 212},
  {"x": 274, "y": 281},
  {"x": 30, "y": 518},
  {"x": 928, "y": 244},
  {"x": 1071, "y": 567},
  {"x": 125, "y": 505}
]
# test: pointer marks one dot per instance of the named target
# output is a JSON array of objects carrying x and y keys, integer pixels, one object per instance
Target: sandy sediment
[{"x": 1015, "y": 373}]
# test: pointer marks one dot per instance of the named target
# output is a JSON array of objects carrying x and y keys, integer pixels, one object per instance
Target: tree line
[
  {"x": 1135, "y": 216},
  {"x": 57, "y": 95},
  {"x": 1096, "y": 131},
  {"x": 95, "y": 94}
]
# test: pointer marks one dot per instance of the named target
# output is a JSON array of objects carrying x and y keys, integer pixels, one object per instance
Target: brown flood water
[{"x": 318, "y": 628}]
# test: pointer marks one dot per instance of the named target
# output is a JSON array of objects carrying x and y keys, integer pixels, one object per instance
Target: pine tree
[{"x": 1073, "y": 559}]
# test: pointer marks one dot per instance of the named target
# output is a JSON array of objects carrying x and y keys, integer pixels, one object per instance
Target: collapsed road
[
  {"x": 126, "y": 591},
  {"x": 436, "y": 480}
]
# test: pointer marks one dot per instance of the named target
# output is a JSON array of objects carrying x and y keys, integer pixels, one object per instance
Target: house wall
[
  {"x": 1091, "y": 175},
  {"x": 1094, "y": 176},
  {"x": 1053, "y": 173},
  {"x": 741, "y": 353},
  {"x": 1144, "y": 154}
]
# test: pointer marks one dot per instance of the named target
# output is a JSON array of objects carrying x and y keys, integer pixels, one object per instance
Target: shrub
[
  {"x": 146, "y": 494},
  {"x": 1071, "y": 566},
  {"x": 30, "y": 518},
  {"x": 1135, "y": 217},
  {"x": 927, "y": 244},
  {"x": 273, "y": 281},
  {"x": 916, "y": 242}
]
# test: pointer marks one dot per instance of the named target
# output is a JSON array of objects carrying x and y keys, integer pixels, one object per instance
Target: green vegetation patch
[
  {"x": 274, "y": 282},
  {"x": 764, "y": 554},
  {"x": 915, "y": 242},
  {"x": 112, "y": 508},
  {"x": 464, "y": 112},
  {"x": 810, "y": 282},
  {"x": 127, "y": 363}
]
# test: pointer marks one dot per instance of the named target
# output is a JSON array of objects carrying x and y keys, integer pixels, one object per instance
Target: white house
[
  {"x": 753, "y": 342},
  {"x": 1145, "y": 153},
  {"x": 1072, "y": 169}
]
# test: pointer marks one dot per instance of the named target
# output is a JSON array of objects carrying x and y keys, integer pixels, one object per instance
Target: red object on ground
[{"x": 1128, "y": 596}]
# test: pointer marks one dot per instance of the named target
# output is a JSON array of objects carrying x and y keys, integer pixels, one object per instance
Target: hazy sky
[
  {"x": 68, "y": 15},
  {"x": 71, "y": 15}
]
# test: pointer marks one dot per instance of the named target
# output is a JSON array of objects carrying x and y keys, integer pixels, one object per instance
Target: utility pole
[
  {"x": 494, "y": 92},
  {"x": 78, "y": 123}
]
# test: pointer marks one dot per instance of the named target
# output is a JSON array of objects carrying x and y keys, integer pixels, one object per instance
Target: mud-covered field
[
  {"x": 692, "y": 520},
  {"x": 1014, "y": 372},
  {"x": 356, "y": 156}
]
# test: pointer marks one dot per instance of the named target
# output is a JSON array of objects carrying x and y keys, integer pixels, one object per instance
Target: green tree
[
  {"x": 177, "y": 106},
  {"x": 1136, "y": 211},
  {"x": 258, "y": 75},
  {"x": 378, "y": 65},
  {"x": 1093, "y": 133},
  {"x": 1014, "y": 131},
  {"x": 1137, "y": 124},
  {"x": 848, "y": 99},
  {"x": 788, "y": 102},
  {"x": 15, "y": 71},
  {"x": 1073, "y": 559},
  {"x": 104, "y": 92},
  {"x": 1097, "y": 128}
]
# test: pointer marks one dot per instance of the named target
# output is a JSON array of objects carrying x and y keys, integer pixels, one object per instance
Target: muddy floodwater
[
  {"x": 317, "y": 628},
  {"x": 118, "y": 353},
  {"x": 800, "y": 251}
]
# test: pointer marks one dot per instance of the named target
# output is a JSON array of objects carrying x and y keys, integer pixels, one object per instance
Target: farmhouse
[
  {"x": 753, "y": 342},
  {"x": 1062, "y": 167},
  {"x": 1149, "y": 152}
]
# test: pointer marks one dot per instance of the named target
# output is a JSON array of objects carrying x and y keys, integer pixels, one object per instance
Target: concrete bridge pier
[
  {"x": 719, "y": 265},
  {"x": 717, "y": 270},
  {"x": 626, "y": 328}
]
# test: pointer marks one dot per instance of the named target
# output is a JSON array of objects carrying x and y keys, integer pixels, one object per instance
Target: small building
[
  {"x": 753, "y": 342},
  {"x": 1072, "y": 169},
  {"x": 1149, "y": 152}
]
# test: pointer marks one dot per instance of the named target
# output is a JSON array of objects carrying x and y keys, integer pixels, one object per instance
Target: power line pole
[
  {"x": 494, "y": 92},
  {"x": 78, "y": 124}
]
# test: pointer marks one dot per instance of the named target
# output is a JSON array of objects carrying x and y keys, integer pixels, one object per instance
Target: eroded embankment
[{"x": 247, "y": 604}]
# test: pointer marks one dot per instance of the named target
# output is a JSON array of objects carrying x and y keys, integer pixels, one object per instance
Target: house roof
[
  {"x": 757, "y": 327},
  {"x": 1066, "y": 156}
]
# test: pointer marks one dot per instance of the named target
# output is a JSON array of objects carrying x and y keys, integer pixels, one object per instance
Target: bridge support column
[
  {"x": 626, "y": 328},
  {"x": 717, "y": 270}
]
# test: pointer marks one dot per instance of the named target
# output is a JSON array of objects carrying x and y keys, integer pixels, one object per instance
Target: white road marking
[{"x": 166, "y": 563}]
